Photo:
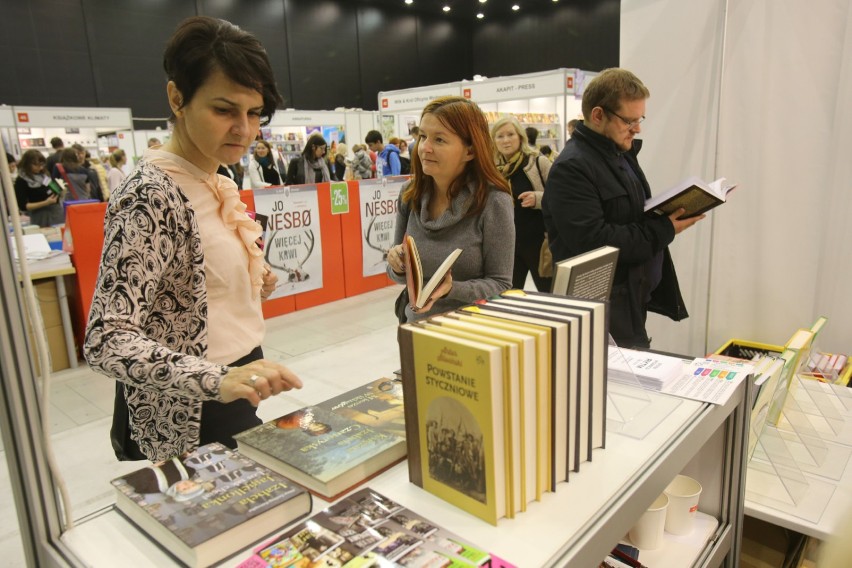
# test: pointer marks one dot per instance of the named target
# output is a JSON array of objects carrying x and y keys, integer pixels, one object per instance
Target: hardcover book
[
  {"x": 692, "y": 194},
  {"x": 418, "y": 292},
  {"x": 333, "y": 446},
  {"x": 209, "y": 504},
  {"x": 367, "y": 529},
  {"x": 458, "y": 423},
  {"x": 588, "y": 275}
]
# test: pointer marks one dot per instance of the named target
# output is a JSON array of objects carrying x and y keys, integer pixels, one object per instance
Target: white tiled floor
[{"x": 81, "y": 400}]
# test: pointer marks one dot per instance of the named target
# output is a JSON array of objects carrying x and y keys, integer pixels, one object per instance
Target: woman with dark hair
[
  {"x": 456, "y": 198},
  {"x": 181, "y": 269},
  {"x": 526, "y": 171},
  {"x": 312, "y": 161},
  {"x": 262, "y": 169},
  {"x": 33, "y": 192}
]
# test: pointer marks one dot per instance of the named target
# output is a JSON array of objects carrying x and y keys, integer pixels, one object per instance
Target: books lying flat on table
[
  {"x": 366, "y": 529},
  {"x": 209, "y": 504},
  {"x": 588, "y": 275},
  {"x": 333, "y": 446},
  {"x": 418, "y": 292},
  {"x": 693, "y": 194}
]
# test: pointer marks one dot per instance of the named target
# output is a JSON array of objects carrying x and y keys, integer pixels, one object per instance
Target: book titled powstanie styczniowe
[{"x": 209, "y": 504}]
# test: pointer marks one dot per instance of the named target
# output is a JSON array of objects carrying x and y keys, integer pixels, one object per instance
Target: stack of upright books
[{"x": 504, "y": 399}]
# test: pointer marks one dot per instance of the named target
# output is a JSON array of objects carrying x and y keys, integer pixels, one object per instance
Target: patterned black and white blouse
[{"x": 148, "y": 321}]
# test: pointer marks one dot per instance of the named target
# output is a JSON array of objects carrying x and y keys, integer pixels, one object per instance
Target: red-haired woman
[{"x": 456, "y": 199}]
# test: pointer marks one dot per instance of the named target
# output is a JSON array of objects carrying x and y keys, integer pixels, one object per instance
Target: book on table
[
  {"x": 457, "y": 419},
  {"x": 521, "y": 473},
  {"x": 537, "y": 383},
  {"x": 418, "y": 291},
  {"x": 367, "y": 529},
  {"x": 563, "y": 435},
  {"x": 692, "y": 194},
  {"x": 331, "y": 447},
  {"x": 588, "y": 275},
  {"x": 594, "y": 314},
  {"x": 209, "y": 504}
]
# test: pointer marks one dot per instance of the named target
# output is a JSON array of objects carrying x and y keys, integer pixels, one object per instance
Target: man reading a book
[{"x": 595, "y": 196}]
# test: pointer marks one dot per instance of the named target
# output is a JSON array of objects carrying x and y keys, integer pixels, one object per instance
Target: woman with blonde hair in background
[
  {"x": 526, "y": 171},
  {"x": 116, "y": 174}
]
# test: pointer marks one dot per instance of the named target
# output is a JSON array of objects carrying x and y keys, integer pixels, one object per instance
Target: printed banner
[
  {"x": 293, "y": 242},
  {"x": 378, "y": 222}
]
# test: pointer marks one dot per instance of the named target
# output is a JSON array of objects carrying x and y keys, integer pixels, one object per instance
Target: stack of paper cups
[
  {"x": 683, "y": 493},
  {"x": 647, "y": 533}
]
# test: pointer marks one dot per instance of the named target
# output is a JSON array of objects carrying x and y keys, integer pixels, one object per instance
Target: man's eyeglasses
[{"x": 628, "y": 123}]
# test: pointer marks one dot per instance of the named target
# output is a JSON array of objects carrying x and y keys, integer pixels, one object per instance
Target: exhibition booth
[
  {"x": 101, "y": 131},
  {"x": 289, "y": 130},
  {"x": 546, "y": 101}
]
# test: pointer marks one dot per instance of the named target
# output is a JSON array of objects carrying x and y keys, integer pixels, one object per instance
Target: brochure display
[{"x": 631, "y": 410}]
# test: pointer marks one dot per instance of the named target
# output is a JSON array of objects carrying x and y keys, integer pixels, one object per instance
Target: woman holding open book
[
  {"x": 176, "y": 315},
  {"x": 456, "y": 199}
]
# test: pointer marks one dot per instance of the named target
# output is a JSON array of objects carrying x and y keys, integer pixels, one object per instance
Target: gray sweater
[{"x": 488, "y": 240}]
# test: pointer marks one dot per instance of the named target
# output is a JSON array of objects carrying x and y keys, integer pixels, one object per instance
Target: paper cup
[
  {"x": 647, "y": 533},
  {"x": 683, "y": 493}
]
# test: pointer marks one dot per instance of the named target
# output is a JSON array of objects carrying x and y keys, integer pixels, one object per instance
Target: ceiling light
[
  {"x": 480, "y": 15},
  {"x": 483, "y": 1},
  {"x": 515, "y": 7},
  {"x": 409, "y": 1},
  {"x": 446, "y": 8}
]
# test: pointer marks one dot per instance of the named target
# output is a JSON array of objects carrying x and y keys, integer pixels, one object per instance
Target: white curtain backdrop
[{"x": 759, "y": 92}]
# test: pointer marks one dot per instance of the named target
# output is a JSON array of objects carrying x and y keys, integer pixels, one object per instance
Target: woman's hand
[
  {"x": 270, "y": 281},
  {"x": 527, "y": 199},
  {"x": 396, "y": 259},
  {"x": 442, "y": 290},
  {"x": 257, "y": 381}
]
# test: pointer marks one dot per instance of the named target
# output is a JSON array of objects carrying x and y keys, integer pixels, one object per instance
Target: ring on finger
[{"x": 253, "y": 380}]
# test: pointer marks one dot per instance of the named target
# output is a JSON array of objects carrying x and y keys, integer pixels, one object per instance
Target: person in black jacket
[
  {"x": 312, "y": 161},
  {"x": 595, "y": 196}
]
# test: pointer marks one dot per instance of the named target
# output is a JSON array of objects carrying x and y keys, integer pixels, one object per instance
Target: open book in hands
[
  {"x": 418, "y": 292},
  {"x": 692, "y": 194}
]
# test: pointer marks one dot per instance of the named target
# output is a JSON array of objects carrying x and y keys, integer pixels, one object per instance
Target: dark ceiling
[{"x": 467, "y": 9}]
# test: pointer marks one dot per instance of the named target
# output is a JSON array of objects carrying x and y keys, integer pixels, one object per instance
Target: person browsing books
[
  {"x": 33, "y": 191},
  {"x": 595, "y": 196},
  {"x": 526, "y": 171},
  {"x": 181, "y": 269},
  {"x": 456, "y": 198}
]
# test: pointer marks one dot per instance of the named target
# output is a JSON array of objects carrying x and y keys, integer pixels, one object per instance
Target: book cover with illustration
[
  {"x": 463, "y": 423},
  {"x": 367, "y": 529},
  {"x": 326, "y": 452},
  {"x": 210, "y": 503},
  {"x": 377, "y": 404}
]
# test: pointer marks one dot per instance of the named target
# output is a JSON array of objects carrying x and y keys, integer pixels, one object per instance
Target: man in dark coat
[{"x": 595, "y": 196}]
